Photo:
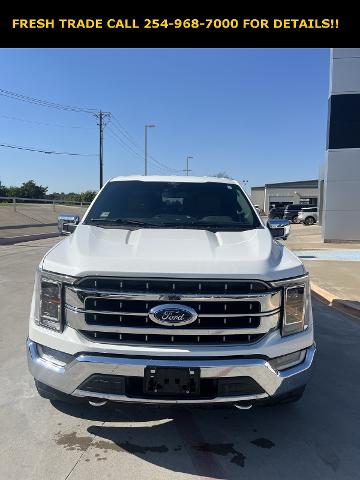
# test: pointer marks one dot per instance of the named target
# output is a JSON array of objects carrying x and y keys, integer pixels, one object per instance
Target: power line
[
  {"x": 126, "y": 133},
  {"x": 116, "y": 137},
  {"x": 128, "y": 136},
  {"x": 41, "y": 123},
  {"x": 49, "y": 104},
  {"x": 59, "y": 106},
  {"x": 45, "y": 103},
  {"x": 129, "y": 147},
  {"x": 48, "y": 152}
]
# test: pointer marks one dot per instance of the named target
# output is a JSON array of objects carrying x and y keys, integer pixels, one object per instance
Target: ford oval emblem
[{"x": 172, "y": 314}]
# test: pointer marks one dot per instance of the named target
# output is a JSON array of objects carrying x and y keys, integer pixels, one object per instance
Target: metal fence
[{"x": 18, "y": 200}]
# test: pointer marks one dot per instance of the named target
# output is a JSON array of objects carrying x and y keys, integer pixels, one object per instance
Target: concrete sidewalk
[{"x": 304, "y": 237}]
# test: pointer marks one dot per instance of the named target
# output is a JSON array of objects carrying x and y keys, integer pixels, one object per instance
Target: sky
[{"x": 257, "y": 114}]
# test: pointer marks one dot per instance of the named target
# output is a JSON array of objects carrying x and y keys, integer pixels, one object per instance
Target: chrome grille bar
[
  {"x": 77, "y": 320},
  {"x": 145, "y": 314},
  {"x": 76, "y": 297}
]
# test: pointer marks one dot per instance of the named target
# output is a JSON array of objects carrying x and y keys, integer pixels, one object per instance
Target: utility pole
[
  {"x": 101, "y": 115},
  {"x": 101, "y": 146},
  {"x": 146, "y": 147},
  {"x": 187, "y": 170}
]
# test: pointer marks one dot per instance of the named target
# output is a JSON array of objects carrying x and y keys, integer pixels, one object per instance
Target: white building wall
[
  {"x": 257, "y": 197},
  {"x": 341, "y": 206}
]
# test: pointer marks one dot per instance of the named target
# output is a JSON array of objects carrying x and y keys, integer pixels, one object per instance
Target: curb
[
  {"x": 345, "y": 306},
  {"x": 27, "y": 225},
  {"x": 26, "y": 238}
]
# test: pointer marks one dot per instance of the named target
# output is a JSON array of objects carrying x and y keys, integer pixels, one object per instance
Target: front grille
[{"x": 115, "y": 310}]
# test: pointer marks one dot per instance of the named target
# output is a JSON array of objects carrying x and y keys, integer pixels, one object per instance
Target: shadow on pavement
[
  {"x": 211, "y": 442},
  {"x": 318, "y": 437}
]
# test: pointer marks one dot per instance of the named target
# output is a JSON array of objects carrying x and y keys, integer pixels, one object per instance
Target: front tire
[
  {"x": 309, "y": 221},
  {"x": 295, "y": 219}
]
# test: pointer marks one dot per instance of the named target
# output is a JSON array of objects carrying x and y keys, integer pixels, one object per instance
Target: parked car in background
[
  {"x": 291, "y": 212},
  {"x": 308, "y": 215},
  {"x": 277, "y": 213}
]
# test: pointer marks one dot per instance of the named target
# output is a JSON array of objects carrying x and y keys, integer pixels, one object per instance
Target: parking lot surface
[{"x": 318, "y": 438}]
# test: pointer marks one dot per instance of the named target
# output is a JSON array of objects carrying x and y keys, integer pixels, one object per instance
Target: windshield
[{"x": 173, "y": 205}]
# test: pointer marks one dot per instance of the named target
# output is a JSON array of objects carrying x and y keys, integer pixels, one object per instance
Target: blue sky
[{"x": 258, "y": 114}]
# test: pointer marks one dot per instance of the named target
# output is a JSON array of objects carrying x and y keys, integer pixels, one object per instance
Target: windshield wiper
[
  {"x": 217, "y": 227},
  {"x": 124, "y": 221},
  {"x": 171, "y": 225}
]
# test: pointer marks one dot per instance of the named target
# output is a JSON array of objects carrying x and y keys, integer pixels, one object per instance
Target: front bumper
[{"x": 70, "y": 377}]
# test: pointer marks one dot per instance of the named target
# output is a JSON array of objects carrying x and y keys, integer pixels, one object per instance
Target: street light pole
[
  {"x": 187, "y": 164},
  {"x": 146, "y": 147}
]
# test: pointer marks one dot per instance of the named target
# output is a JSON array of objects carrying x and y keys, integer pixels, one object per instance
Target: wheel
[
  {"x": 52, "y": 394},
  {"x": 309, "y": 221},
  {"x": 295, "y": 219}
]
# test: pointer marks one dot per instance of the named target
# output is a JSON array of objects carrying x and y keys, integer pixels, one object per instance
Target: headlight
[
  {"x": 294, "y": 312},
  {"x": 50, "y": 304},
  {"x": 296, "y": 294},
  {"x": 48, "y": 300}
]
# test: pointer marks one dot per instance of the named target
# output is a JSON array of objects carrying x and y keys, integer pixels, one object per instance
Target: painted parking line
[{"x": 352, "y": 255}]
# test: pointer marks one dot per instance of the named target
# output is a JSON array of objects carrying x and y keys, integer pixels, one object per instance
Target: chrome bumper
[{"x": 68, "y": 378}]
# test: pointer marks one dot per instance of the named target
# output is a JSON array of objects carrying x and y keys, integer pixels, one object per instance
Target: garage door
[{"x": 278, "y": 199}]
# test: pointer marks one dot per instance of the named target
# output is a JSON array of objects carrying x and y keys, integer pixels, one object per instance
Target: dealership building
[
  {"x": 279, "y": 194},
  {"x": 339, "y": 184},
  {"x": 337, "y": 191}
]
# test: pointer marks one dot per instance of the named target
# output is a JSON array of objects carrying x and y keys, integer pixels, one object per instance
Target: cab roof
[{"x": 174, "y": 178}]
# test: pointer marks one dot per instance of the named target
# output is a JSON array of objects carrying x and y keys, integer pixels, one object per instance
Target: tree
[
  {"x": 3, "y": 191},
  {"x": 88, "y": 196},
  {"x": 12, "y": 191},
  {"x": 29, "y": 189},
  {"x": 221, "y": 175}
]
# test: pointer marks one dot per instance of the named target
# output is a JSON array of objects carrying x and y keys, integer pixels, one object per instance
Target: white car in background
[{"x": 308, "y": 215}]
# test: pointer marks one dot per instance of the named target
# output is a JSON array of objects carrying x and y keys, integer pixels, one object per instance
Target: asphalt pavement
[{"x": 318, "y": 438}]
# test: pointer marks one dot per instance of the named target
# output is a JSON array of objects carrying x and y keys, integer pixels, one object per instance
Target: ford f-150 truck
[{"x": 171, "y": 290}]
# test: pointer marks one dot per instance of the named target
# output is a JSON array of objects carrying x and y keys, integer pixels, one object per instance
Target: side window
[{"x": 245, "y": 212}]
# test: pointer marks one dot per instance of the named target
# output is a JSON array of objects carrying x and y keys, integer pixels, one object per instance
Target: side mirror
[
  {"x": 279, "y": 228},
  {"x": 67, "y": 223}
]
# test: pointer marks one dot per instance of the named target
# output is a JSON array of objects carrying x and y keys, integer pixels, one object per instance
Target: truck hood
[{"x": 92, "y": 250}]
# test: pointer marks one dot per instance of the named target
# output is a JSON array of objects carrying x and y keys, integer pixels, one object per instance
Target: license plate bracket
[{"x": 172, "y": 381}]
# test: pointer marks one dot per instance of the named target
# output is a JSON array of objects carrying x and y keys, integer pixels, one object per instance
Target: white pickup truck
[{"x": 171, "y": 290}]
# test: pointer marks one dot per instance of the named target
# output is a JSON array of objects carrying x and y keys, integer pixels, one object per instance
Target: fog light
[
  {"x": 287, "y": 361},
  {"x": 54, "y": 356}
]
